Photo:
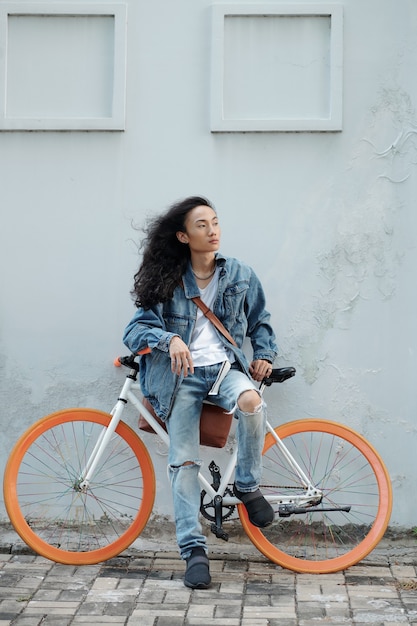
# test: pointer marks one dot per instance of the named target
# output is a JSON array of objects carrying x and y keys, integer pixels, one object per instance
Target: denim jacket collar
[{"x": 190, "y": 286}]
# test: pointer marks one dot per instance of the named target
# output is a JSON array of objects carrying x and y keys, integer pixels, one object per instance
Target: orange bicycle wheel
[
  {"x": 349, "y": 472},
  {"x": 42, "y": 488}
]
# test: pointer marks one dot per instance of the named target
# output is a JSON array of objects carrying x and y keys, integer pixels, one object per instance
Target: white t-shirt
[{"x": 205, "y": 347}]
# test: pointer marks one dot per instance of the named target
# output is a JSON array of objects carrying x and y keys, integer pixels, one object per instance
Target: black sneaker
[
  {"x": 197, "y": 575},
  {"x": 260, "y": 512}
]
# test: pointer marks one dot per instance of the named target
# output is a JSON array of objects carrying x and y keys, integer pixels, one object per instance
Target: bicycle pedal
[{"x": 219, "y": 532}]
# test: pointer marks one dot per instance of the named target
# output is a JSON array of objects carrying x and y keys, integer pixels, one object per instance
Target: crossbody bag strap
[{"x": 214, "y": 319}]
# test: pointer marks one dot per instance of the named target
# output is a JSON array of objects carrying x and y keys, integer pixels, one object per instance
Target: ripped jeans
[{"x": 184, "y": 461}]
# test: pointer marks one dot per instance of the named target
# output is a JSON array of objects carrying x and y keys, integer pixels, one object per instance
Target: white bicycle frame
[{"x": 128, "y": 395}]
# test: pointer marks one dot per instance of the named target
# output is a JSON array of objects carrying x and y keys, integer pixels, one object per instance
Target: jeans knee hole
[
  {"x": 256, "y": 409},
  {"x": 185, "y": 465}
]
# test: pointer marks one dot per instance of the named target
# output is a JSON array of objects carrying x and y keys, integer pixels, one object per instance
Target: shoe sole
[
  {"x": 263, "y": 525},
  {"x": 197, "y": 586}
]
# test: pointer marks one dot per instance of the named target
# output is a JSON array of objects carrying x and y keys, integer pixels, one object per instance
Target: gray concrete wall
[{"x": 325, "y": 216}]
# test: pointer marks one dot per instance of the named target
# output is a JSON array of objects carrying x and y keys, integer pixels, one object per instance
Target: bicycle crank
[{"x": 208, "y": 509}]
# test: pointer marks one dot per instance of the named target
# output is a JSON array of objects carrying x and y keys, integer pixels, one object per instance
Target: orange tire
[
  {"x": 349, "y": 472},
  {"x": 42, "y": 491}
]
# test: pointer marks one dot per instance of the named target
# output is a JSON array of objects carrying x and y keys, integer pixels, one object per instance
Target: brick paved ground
[{"x": 146, "y": 589}]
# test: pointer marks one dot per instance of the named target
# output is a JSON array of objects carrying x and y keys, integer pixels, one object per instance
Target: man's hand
[
  {"x": 260, "y": 369},
  {"x": 181, "y": 360}
]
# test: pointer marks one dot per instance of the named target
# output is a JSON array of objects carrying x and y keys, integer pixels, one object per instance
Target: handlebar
[{"x": 278, "y": 375}]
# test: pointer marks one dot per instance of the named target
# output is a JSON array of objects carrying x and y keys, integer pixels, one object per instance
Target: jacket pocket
[
  {"x": 176, "y": 324},
  {"x": 234, "y": 299}
]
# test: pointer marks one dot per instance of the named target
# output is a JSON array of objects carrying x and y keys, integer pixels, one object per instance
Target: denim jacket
[{"x": 239, "y": 304}]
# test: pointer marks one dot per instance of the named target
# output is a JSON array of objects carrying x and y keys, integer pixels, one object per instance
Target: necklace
[{"x": 203, "y": 277}]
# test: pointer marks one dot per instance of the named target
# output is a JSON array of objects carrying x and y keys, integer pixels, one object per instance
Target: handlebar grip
[
  {"x": 118, "y": 361},
  {"x": 144, "y": 351}
]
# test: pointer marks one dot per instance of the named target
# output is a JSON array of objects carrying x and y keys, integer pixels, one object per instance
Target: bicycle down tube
[{"x": 165, "y": 437}]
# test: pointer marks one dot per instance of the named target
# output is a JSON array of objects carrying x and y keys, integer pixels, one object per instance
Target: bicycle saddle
[{"x": 278, "y": 375}]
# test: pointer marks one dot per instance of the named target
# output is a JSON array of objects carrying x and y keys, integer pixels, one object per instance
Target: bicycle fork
[{"x": 83, "y": 482}]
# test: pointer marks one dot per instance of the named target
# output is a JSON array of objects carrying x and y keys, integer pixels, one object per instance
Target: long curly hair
[{"x": 164, "y": 257}]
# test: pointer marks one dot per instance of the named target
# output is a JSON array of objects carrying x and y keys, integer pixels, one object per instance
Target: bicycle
[{"x": 79, "y": 487}]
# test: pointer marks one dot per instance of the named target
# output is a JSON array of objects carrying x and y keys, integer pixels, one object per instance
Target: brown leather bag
[{"x": 214, "y": 422}]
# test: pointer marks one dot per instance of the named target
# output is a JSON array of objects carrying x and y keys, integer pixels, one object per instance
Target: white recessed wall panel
[
  {"x": 276, "y": 67},
  {"x": 64, "y": 67}
]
